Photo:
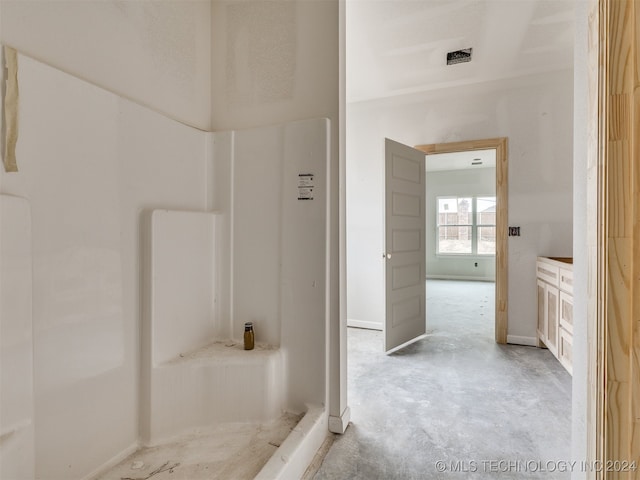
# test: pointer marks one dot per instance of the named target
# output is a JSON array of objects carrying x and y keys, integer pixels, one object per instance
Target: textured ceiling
[
  {"x": 397, "y": 47},
  {"x": 461, "y": 160}
]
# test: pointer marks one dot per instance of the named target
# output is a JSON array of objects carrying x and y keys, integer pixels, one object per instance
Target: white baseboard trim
[
  {"x": 113, "y": 461},
  {"x": 363, "y": 324},
  {"x": 518, "y": 340},
  {"x": 340, "y": 424},
  {"x": 460, "y": 277}
]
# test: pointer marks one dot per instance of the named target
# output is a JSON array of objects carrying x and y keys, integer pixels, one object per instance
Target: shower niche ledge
[{"x": 226, "y": 353}]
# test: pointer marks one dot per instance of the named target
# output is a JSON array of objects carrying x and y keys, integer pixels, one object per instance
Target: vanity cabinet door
[
  {"x": 565, "y": 350},
  {"x": 551, "y": 317},
  {"x": 542, "y": 322}
]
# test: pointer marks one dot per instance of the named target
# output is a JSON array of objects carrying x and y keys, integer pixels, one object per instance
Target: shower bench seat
[{"x": 218, "y": 383}]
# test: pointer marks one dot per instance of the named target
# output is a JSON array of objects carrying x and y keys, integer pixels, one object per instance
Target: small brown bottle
[{"x": 248, "y": 336}]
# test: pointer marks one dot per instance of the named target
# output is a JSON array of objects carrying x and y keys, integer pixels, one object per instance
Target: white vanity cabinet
[{"x": 555, "y": 307}]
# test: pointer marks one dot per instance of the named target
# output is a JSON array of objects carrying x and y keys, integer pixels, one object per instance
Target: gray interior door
[{"x": 405, "y": 260}]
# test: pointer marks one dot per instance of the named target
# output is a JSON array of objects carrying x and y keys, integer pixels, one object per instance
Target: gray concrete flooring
[{"x": 455, "y": 404}]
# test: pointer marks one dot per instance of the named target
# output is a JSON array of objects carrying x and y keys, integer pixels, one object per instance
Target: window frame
[{"x": 474, "y": 226}]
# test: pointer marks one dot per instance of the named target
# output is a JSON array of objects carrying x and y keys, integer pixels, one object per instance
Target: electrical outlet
[
  {"x": 475, "y": 264},
  {"x": 514, "y": 231}
]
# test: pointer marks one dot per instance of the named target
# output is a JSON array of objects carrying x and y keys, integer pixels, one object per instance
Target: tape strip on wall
[{"x": 11, "y": 110}]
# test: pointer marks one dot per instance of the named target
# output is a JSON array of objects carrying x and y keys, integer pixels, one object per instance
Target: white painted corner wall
[
  {"x": 535, "y": 113},
  {"x": 155, "y": 53}
]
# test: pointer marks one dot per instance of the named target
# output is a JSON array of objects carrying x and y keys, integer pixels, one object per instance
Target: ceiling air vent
[{"x": 459, "y": 56}]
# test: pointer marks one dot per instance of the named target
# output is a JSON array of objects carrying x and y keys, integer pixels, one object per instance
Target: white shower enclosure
[{"x": 150, "y": 243}]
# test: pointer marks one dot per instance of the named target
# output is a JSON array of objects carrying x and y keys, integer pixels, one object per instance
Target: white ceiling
[
  {"x": 461, "y": 160},
  {"x": 397, "y": 47}
]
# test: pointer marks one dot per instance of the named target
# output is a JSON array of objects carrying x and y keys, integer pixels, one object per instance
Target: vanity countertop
[{"x": 564, "y": 260}]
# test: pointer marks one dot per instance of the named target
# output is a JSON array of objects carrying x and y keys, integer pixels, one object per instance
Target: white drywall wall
[
  {"x": 89, "y": 164},
  {"x": 274, "y": 62},
  {"x": 535, "y": 113},
  {"x": 157, "y": 53},
  {"x": 457, "y": 182},
  {"x": 17, "y": 422}
]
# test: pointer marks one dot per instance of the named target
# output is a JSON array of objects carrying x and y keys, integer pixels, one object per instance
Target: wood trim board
[{"x": 614, "y": 358}]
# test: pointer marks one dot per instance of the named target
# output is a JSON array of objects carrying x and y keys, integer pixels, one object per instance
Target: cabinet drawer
[
  {"x": 547, "y": 272},
  {"x": 566, "y": 280}
]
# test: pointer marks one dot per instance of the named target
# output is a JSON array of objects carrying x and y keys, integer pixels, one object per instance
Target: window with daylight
[{"x": 466, "y": 225}]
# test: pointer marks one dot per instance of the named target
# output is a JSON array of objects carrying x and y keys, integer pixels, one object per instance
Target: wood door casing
[{"x": 502, "y": 176}]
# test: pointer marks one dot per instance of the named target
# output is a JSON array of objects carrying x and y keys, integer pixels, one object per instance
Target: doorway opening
[
  {"x": 461, "y": 241},
  {"x": 450, "y": 220},
  {"x": 404, "y": 312},
  {"x": 500, "y": 146}
]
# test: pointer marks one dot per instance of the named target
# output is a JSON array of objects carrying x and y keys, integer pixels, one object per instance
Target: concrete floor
[
  {"x": 456, "y": 397},
  {"x": 234, "y": 451}
]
